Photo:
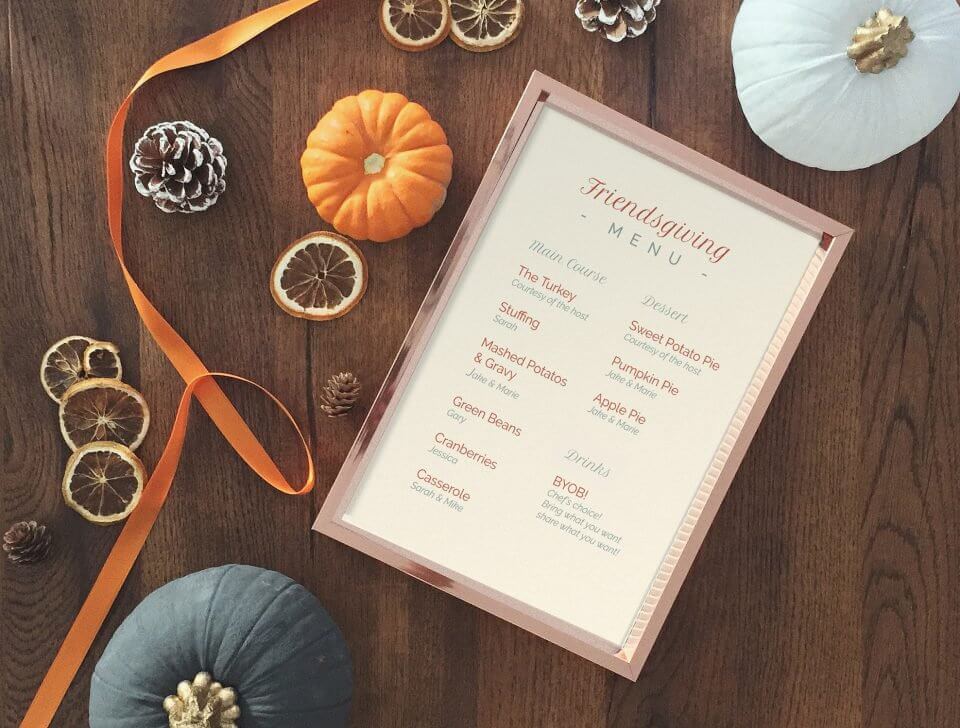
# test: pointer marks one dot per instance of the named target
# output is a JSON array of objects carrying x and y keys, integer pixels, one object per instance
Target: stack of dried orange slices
[
  {"x": 475, "y": 25},
  {"x": 103, "y": 421}
]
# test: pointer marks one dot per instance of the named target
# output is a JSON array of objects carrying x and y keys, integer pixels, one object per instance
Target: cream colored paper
[{"x": 556, "y": 506}]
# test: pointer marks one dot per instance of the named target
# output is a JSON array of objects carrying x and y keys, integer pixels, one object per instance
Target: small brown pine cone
[
  {"x": 340, "y": 394},
  {"x": 26, "y": 542}
]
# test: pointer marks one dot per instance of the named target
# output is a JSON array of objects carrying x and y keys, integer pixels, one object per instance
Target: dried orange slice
[
  {"x": 485, "y": 25},
  {"x": 74, "y": 358},
  {"x": 62, "y": 365},
  {"x": 103, "y": 409},
  {"x": 103, "y": 482},
  {"x": 320, "y": 276},
  {"x": 102, "y": 359},
  {"x": 415, "y": 25}
]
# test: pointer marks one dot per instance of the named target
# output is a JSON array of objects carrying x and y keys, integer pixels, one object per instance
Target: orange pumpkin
[{"x": 376, "y": 166}]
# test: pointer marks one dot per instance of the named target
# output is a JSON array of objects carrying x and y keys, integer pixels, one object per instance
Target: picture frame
[{"x": 627, "y": 657}]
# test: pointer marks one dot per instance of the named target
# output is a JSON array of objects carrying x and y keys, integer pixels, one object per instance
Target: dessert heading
[{"x": 663, "y": 226}]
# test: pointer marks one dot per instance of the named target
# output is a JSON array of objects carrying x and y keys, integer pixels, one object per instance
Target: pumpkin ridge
[
  {"x": 359, "y": 123},
  {"x": 325, "y": 150},
  {"x": 206, "y": 619},
  {"x": 807, "y": 7},
  {"x": 146, "y": 698},
  {"x": 336, "y": 183},
  {"x": 336, "y": 134},
  {"x": 778, "y": 44},
  {"x": 415, "y": 214},
  {"x": 349, "y": 109},
  {"x": 353, "y": 209},
  {"x": 398, "y": 146},
  {"x": 422, "y": 178},
  {"x": 410, "y": 117},
  {"x": 332, "y": 185},
  {"x": 933, "y": 23},
  {"x": 380, "y": 116},
  {"x": 792, "y": 72},
  {"x": 267, "y": 712},
  {"x": 389, "y": 186},
  {"x": 387, "y": 130},
  {"x": 406, "y": 210},
  {"x": 253, "y": 629},
  {"x": 250, "y": 687},
  {"x": 388, "y": 114},
  {"x": 365, "y": 105},
  {"x": 405, "y": 164},
  {"x": 354, "y": 219},
  {"x": 336, "y": 198},
  {"x": 320, "y": 169}
]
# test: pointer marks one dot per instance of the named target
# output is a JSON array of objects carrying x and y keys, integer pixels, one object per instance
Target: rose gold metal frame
[{"x": 626, "y": 659}]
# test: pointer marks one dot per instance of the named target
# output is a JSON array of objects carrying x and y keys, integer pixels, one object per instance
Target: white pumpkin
[{"x": 805, "y": 96}]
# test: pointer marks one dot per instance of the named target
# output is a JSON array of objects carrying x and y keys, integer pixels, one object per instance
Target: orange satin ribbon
[{"x": 200, "y": 383}]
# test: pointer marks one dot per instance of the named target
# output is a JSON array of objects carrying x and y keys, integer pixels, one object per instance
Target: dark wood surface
[{"x": 827, "y": 592}]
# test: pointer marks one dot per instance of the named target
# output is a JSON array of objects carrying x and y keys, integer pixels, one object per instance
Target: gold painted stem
[
  {"x": 881, "y": 42},
  {"x": 203, "y": 703}
]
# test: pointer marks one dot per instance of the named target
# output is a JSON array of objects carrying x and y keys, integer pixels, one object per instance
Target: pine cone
[
  {"x": 340, "y": 394},
  {"x": 179, "y": 166},
  {"x": 617, "y": 19},
  {"x": 26, "y": 542}
]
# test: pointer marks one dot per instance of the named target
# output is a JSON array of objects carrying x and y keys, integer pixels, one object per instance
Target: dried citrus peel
[
  {"x": 103, "y": 409},
  {"x": 415, "y": 25},
  {"x": 320, "y": 276},
  {"x": 485, "y": 25},
  {"x": 103, "y": 482},
  {"x": 74, "y": 358},
  {"x": 102, "y": 359}
]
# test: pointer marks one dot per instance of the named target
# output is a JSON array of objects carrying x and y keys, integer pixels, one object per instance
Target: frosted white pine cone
[
  {"x": 179, "y": 166},
  {"x": 617, "y": 19}
]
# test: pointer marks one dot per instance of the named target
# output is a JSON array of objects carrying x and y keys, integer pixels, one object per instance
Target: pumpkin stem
[
  {"x": 881, "y": 42},
  {"x": 202, "y": 703},
  {"x": 374, "y": 163}
]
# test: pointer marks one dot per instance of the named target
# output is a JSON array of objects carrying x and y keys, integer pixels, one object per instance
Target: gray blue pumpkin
[{"x": 261, "y": 642}]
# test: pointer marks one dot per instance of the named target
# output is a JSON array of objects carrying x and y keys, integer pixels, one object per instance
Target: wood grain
[{"x": 828, "y": 591}]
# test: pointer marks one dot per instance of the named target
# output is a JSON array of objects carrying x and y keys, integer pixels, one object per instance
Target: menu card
[{"x": 584, "y": 373}]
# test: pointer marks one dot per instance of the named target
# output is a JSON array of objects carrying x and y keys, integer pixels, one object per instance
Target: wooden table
[{"x": 827, "y": 592}]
